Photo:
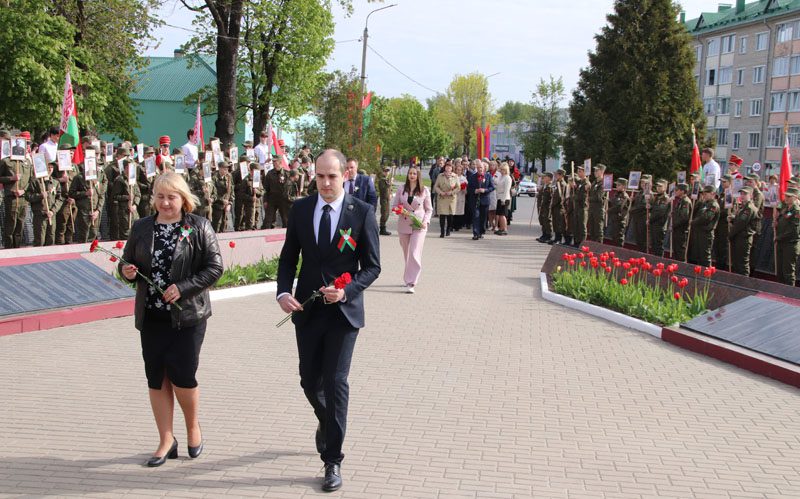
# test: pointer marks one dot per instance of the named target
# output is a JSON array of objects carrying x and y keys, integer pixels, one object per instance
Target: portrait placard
[
  {"x": 207, "y": 172},
  {"x": 96, "y": 145},
  {"x": 695, "y": 190},
  {"x": 738, "y": 183},
  {"x": 90, "y": 164},
  {"x": 218, "y": 158},
  {"x": 64, "y": 161},
  {"x": 131, "y": 173},
  {"x": 671, "y": 189},
  {"x": 150, "y": 167},
  {"x": 711, "y": 179},
  {"x": 208, "y": 156},
  {"x": 256, "y": 179},
  {"x": 18, "y": 149},
  {"x": 121, "y": 166},
  {"x": 139, "y": 152},
  {"x": 179, "y": 164},
  {"x": 608, "y": 182},
  {"x": 771, "y": 196},
  {"x": 109, "y": 152},
  {"x": 681, "y": 177},
  {"x": 243, "y": 169},
  {"x": 215, "y": 146},
  {"x": 728, "y": 198},
  {"x": 233, "y": 154},
  {"x": 251, "y": 153},
  {"x": 633, "y": 180},
  {"x": 40, "y": 165},
  {"x": 587, "y": 167},
  {"x": 647, "y": 189},
  {"x": 5, "y": 149}
]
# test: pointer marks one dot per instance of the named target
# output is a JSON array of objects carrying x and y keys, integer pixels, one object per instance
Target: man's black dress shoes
[{"x": 333, "y": 478}]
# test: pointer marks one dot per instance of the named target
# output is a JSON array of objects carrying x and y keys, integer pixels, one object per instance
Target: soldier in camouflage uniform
[
  {"x": 721, "y": 241},
  {"x": 753, "y": 181},
  {"x": 704, "y": 220},
  {"x": 681, "y": 216},
  {"x": 742, "y": 229},
  {"x": 204, "y": 192},
  {"x": 223, "y": 196},
  {"x": 385, "y": 197},
  {"x": 41, "y": 194},
  {"x": 618, "y": 205},
  {"x": 638, "y": 214},
  {"x": 558, "y": 201},
  {"x": 65, "y": 218},
  {"x": 15, "y": 175},
  {"x": 543, "y": 201},
  {"x": 580, "y": 207},
  {"x": 659, "y": 216},
  {"x": 125, "y": 199},
  {"x": 787, "y": 236},
  {"x": 597, "y": 205},
  {"x": 88, "y": 200},
  {"x": 250, "y": 198}
]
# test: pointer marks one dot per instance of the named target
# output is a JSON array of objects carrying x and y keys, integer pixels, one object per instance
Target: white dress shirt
[
  {"x": 335, "y": 214},
  {"x": 712, "y": 168},
  {"x": 262, "y": 153},
  {"x": 190, "y": 154},
  {"x": 50, "y": 150}
]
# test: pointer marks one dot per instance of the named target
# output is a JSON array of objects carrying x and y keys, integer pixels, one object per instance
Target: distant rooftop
[
  {"x": 172, "y": 79},
  {"x": 730, "y": 15}
]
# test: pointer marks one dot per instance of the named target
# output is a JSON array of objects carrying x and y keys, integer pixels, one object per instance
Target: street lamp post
[{"x": 364, "y": 49}]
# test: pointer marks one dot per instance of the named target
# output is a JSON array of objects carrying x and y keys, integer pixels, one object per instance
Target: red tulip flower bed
[{"x": 633, "y": 287}]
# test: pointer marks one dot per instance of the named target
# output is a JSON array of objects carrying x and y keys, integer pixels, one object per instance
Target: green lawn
[{"x": 402, "y": 179}]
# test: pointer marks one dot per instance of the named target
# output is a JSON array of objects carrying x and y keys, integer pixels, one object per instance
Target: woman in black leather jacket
[{"x": 180, "y": 253}]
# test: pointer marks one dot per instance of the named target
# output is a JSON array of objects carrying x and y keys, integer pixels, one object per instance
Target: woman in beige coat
[{"x": 446, "y": 188}]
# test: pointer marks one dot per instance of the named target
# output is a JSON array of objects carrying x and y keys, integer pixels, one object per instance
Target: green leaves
[
  {"x": 241, "y": 275},
  {"x": 461, "y": 109}
]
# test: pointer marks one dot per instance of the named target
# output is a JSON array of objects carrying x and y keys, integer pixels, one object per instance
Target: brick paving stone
[{"x": 472, "y": 387}]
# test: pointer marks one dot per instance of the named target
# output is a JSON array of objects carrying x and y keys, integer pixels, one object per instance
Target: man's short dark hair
[
  {"x": 352, "y": 159},
  {"x": 339, "y": 156},
  {"x": 54, "y": 130},
  {"x": 708, "y": 151},
  {"x": 190, "y": 133}
]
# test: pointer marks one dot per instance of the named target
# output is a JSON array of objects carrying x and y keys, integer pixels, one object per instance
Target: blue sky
[{"x": 431, "y": 40}]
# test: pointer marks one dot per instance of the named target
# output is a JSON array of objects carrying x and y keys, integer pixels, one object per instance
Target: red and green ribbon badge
[{"x": 346, "y": 240}]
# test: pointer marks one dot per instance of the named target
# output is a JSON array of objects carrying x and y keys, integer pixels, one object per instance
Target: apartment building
[{"x": 748, "y": 73}]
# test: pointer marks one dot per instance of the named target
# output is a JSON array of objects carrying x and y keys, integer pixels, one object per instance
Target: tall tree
[
  {"x": 635, "y": 103},
  {"x": 414, "y": 131},
  {"x": 514, "y": 112},
  {"x": 464, "y": 106},
  {"x": 546, "y": 124}
]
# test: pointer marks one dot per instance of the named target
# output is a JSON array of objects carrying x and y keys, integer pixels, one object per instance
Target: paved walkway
[{"x": 473, "y": 387}]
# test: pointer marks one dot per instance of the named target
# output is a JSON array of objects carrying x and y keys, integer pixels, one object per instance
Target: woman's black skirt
[{"x": 170, "y": 351}]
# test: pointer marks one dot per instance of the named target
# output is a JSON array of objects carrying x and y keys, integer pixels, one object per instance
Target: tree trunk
[
  {"x": 544, "y": 164},
  {"x": 227, "y": 49}
]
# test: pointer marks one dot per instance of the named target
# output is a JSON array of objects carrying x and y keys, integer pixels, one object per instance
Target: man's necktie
[
  {"x": 352, "y": 183},
  {"x": 324, "y": 233}
]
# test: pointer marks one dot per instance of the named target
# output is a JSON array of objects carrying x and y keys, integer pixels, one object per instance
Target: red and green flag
[
  {"x": 366, "y": 105},
  {"x": 695, "y": 166},
  {"x": 69, "y": 122},
  {"x": 786, "y": 165}
]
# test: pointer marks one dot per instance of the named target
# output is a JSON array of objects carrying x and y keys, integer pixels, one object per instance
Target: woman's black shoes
[
  {"x": 195, "y": 451},
  {"x": 171, "y": 454}
]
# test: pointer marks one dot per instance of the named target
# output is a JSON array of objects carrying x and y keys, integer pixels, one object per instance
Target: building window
[
  {"x": 728, "y": 44},
  {"x": 777, "y": 102},
  {"x": 756, "y": 106},
  {"x": 794, "y": 101},
  {"x": 740, "y": 77},
  {"x": 794, "y": 136},
  {"x": 724, "y": 105},
  {"x": 713, "y": 47},
  {"x": 725, "y": 75},
  {"x": 737, "y": 137},
  {"x": 711, "y": 77},
  {"x": 722, "y": 136},
  {"x": 784, "y": 32},
  {"x": 743, "y": 45},
  {"x": 737, "y": 108},
  {"x": 753, "y": 140},
  {"x": 761, "y": 41},
  {"x": 775, "y": 136},
  {"x": 708, "y": 106},
  {"x": 758, "y": 74},
  {"x": 698, "y": 52},
  {"x": 780, "y": 66},
  {"x": 794, "y": 64}
]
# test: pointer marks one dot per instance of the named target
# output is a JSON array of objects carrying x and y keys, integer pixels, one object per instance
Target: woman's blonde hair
[
  {"x": 504, "y": 168},
  {"x": 174, "y": 182}
]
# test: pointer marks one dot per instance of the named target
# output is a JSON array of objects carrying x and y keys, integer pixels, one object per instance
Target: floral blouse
[{"x": 165, "y": 238}]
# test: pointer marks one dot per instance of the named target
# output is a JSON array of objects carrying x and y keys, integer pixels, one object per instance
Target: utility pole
[{"x": 364, "y": 38}]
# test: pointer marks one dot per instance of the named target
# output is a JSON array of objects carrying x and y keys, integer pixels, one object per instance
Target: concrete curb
[
  {"x": 603, "y": 313},
  {"x": 242, "y": 291}
]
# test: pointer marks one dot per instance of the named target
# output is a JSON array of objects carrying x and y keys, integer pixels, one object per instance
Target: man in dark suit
[
  {"x": 479, "y": 185},
  {"x": 336, "y": 233},
  {"x": 359, "y": 185}
]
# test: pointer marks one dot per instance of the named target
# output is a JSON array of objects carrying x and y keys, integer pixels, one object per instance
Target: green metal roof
[
  {"x": 752, "y": 12},
  {"x": 172, "y": 79}
]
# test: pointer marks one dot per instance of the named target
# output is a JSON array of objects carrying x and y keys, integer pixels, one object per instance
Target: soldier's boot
[
  {"x": 545, "y": 237},
  {"x": 557, "y": 239},
  {"x": 385, "y": 232},
  {"x": 568, "y": 240}
]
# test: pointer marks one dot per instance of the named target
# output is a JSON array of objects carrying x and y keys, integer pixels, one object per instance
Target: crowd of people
[{"x": 708, "y": 219}]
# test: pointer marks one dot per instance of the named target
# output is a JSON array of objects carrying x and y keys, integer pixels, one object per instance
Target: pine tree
[{"x": 635, "y": 104}]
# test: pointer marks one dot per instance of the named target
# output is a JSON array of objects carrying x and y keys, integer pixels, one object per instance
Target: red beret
[
  {"x": 25, "y": 135},
  {"x": 736, "y": 160},
  {"x": 164, "y": 139}
]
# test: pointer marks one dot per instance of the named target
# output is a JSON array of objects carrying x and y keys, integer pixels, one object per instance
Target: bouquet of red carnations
[
  {"x": 339, "y": 283},
  {"x": 416, "y": 223},
  {"x": 463, "y": 186}
]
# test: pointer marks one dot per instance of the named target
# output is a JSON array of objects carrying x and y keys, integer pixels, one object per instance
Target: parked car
[{"x": 527, "y": 186}]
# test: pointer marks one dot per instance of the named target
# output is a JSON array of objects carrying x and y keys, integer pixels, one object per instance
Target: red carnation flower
[
  {"x": 93, "y": 246},
  {"x": 342, "y": 281},
  {"x": 232, "y": 244},
  {"x": 113, "y": 259},
  {"x": 119, "y": 245}
]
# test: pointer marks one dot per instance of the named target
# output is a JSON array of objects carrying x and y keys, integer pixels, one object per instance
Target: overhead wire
[{"x": 401, "y": 72}]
